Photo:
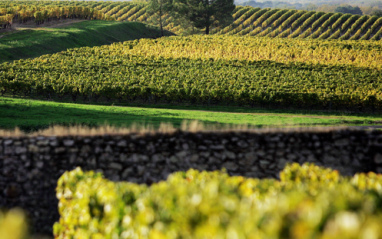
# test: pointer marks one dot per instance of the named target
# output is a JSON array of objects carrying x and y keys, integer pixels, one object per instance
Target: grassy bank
[
  {"x": 33, "y": 42},
  {"x": 31, "y": 115}
]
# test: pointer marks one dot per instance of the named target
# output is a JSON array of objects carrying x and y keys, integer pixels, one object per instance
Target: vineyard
[
  {"x": 336, "y": 75},
  {"x": 307, "y": 202},
  {"x": 268, "y": 68},
  {"x": 41, "y": 14},
  {"x": 247, "y": 20}
]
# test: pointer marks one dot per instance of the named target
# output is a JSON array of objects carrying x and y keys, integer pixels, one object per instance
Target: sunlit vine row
[
  {"x": 306, "y": 202},
  {"x": 208, "y": 70}
]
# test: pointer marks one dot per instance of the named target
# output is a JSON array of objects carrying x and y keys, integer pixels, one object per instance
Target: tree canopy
[
  {"x": 349, "y": 9},
  {"x": 377, "y": 13},
  {"x": 203, "y": 14},
  {"x": 159, "y": 8}
]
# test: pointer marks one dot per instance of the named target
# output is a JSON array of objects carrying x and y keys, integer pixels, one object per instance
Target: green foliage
[
  {"x": 202, "y": 14},
  {"x": 349, "y": 9},
  {"x": 308, "y": 202},
  {"x": 13, "y": 225},
  {"x": 91, "y": 206},
  {"x": 340, "y": 21},
  {"x": 159, "y": 8},
  {"x": 210, "y": 16},
  {"x": 219, "y": 71},
  {"x": 309, "y": 173},
  {"x": 42, "y": 14},
  {"x": 377, "y": 13}
]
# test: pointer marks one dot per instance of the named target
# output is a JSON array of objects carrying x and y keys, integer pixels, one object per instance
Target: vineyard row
[
  {"x": 124, "y": 72},
  {"x": 247, "y": 20}
]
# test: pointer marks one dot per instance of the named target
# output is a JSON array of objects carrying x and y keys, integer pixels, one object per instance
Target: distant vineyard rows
[
  {"x": 41, "y": 14},
  {"x": 247, "y": 20},
  {"x": 227, "y": 73}
]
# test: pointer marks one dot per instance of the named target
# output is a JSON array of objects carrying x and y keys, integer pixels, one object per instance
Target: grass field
[
  {"x": 32, "y": 42},
  {"x": 30, "y": 115}
]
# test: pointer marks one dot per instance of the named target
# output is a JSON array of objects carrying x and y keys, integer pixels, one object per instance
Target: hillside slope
[
  {"x": 251, "y": 21},
  {"x": 33, "y": 42}
]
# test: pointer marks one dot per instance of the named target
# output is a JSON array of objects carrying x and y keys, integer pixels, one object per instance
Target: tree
[
  {"x": 159, "y": 8},
  {"x": 377, "y": 13},
  {"x": 349, "y": 9},
  {"x": 204, "y": 13}
]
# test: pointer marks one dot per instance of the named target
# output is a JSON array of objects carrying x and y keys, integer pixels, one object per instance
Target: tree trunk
[{"x": 207, "y": 23}]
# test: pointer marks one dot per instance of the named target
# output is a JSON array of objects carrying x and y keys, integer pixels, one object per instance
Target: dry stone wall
[{"x": 30, "y": 166}]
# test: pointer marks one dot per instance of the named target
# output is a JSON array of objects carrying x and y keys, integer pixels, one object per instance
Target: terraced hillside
[{"x": 247, "y": 20}]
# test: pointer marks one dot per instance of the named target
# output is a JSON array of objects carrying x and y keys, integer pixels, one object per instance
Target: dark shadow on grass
[
  {"x": 90, "y": 34},
  {"x": 33, "y": 118},
  {"x": 269, "y": 109}
]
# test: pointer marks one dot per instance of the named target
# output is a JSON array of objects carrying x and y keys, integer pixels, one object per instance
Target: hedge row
[{"x": 307, "y": 202}]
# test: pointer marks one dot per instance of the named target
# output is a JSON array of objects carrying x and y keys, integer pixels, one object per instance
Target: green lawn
[
  {"x": 26, "y": 43},
  {"x": 31, "y": 115}
]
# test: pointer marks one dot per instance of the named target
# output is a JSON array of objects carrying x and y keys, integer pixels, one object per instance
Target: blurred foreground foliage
[
  {"x": 13, "y": 225},
  {"x": 307, "y": 202}
]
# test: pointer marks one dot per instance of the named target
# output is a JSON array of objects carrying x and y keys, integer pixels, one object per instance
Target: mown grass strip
[{"x": 30, "y": 115}]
